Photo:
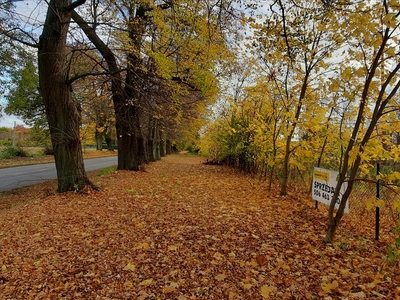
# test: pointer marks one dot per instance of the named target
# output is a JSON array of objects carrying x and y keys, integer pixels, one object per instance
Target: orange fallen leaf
[
  {"x": 261, "y": 260},
  {"x": 168, "y": 289}
]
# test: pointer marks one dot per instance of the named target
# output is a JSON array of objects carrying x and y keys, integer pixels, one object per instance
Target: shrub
[
  {"x": 48, "y": 150},
  {"x": 6, "y": 142},
  {"x": 10, "y": 152},
  {"x": 193, "y": 149}
]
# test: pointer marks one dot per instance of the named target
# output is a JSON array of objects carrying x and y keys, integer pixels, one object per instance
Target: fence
[
  {"x": 363, "y": 201},
  {"x": 374, "y": 203}
]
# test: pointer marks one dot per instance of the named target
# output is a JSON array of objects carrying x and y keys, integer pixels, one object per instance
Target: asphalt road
[{"x": 11, "y": 178}]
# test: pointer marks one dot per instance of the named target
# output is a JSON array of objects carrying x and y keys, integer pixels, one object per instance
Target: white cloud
[{"x": 8, "y": 121}]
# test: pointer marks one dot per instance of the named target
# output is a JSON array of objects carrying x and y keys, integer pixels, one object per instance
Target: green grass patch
[
  {"x": 107, "y": 170},
  {"x": 193, "y": 153},
  {"x": 10, "y": 152}
]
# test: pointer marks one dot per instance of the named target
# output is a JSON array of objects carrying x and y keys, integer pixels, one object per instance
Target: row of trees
[
  {"x": 156, "y": 61},
  {"x": 325, "y": 94},
  {"x": 318, "y": 84}
]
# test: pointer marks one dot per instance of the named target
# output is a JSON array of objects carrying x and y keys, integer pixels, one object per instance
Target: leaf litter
[{"x": 188, "y": 231}]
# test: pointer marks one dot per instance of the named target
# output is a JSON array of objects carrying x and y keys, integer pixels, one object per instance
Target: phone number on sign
[{"x": 324, "y": 191}]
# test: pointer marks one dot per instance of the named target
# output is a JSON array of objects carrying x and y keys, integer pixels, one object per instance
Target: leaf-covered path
[{"x": 182, "y": 230}]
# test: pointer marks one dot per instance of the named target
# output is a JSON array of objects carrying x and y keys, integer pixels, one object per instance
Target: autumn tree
[
  {"x": 295, "y": 42},
  {"x": 98, "y": 112},
  {"x": 130, "y": 142},
  {"x": 62, "y": 111},
  {"x": 92, "y": 92},
  {"x": 23, "y": 97},
  {"x": 11, "y": 52},
  {"x": 228, "y": 137},
  {"x": 156, "y": 72},
  {"x": 372, "y": 64}
]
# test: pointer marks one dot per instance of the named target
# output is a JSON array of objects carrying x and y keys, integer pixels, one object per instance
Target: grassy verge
[
  {"x": 107, "y": 171},
  {"x": 35, "y": 155}
]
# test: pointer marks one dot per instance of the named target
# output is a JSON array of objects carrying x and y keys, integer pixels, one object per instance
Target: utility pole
[{"x": 14, "y": 133}]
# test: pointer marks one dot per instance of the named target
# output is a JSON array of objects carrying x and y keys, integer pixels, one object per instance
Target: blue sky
[
  {"x": 8, "y": 121},
  {"x": 28, "y": 12}
]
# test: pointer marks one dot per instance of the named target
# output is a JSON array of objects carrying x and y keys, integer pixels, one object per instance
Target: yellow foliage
[
  {"x": 392, "y": 177},
  {"x": 353, "y": 154},
  {"x": 360, "y": 72},
  {"x": 396, "y": 205},
  {"x": 394, "y": 4},
  {"x": 391, "y": 51},
  {"x": 390, "y": 20},
  {"x": 347, "y": 73},
  {"x": 374, "y": 202}
]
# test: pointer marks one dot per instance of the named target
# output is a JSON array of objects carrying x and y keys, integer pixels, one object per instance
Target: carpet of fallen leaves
[{"x": 184, "y": 230}]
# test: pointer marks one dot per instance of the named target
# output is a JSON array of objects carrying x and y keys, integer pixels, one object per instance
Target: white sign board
[{"x": 323, "y": 188}]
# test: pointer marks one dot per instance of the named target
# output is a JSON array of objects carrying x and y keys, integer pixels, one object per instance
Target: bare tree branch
[
  {"x": 74, "y": 5},
  {"x": 15, "y": 38}
]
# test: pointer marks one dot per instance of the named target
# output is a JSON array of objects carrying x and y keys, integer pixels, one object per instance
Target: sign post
[{"x": 323, "y": 188}]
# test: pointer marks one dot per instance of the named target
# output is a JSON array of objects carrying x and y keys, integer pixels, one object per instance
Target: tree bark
[
  {"x": 163, "y": 150},
  {"x": 130, "y": 141},
  {"x": 168, "y": 147},
  {"x": 157, "y": 143},
  {"x": 63, "y": 113},
  {"x": 380, "y": 105},
  {"x": 286, "y": 167},
  {"x": 99, "y": 140},
  {"x": 109, "y": 142},
  {"x": 137, "y": 28},
  {"x": 288, "y": 150}
]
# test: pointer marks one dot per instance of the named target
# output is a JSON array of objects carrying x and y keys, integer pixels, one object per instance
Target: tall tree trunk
[
  {"x": 137, "y": 27},
  {"x": 130, "y": 140},
  {"x": 288, "y": 150},
  {"x": 286, "y": 167},
  {"x": 380, "y": 105},
  {"x": 63, "y": 113},
  {"x": 127, "y": 140},
  {"x": 271, "y": 176},
  {"x": 163, "y": 150},
  {"x": 109, "y": 142},
  {"x": 157, "y": 143},
  {"x": 168, "y": 147},
  {"x": 99, "y": 140},
  {"x": 150, "y": 141},
  {"x": 150, "y": 150}
]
